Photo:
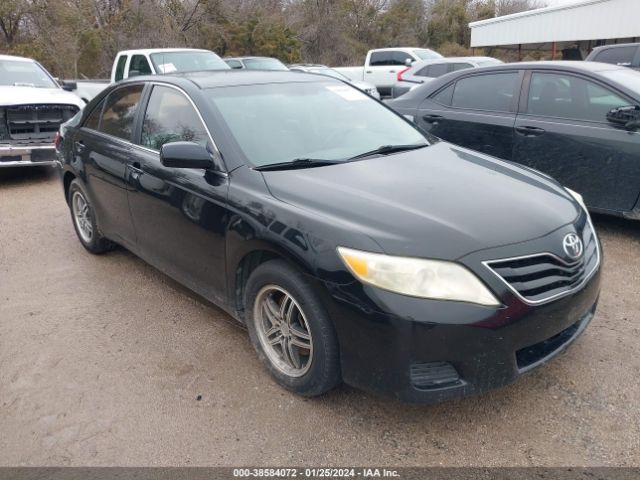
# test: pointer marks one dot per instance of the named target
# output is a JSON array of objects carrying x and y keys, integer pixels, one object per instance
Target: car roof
[
  {"x": 616, "y": 45},
  {"x": 430, "y": 61},
  {"x": 249, "y": 58},
  {"x": 18, "y": 59},
  {"x": 568, "y": 65},
  {"x": 559, "y": 65},
  {"x": 149, "y": 51},
  {"x": 228, "y": 78}
]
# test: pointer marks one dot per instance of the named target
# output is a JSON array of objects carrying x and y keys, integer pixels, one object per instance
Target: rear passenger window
[
  {"x": 391, "y": 57},
  {"x": 486, "y": 92},
  {"x": 437, "y": 70},
  {"x": 443, "y": 97},
  {"x": 120, "y": 67},
  {"x": 120, "y": 111},
  {"x": 460, "y": 66},
  {"x": 140, "y": 64},
  {"x": 93, "y": 120},
  {"x": 170, "y": 117},
  {"x": 618, "y": 55}
]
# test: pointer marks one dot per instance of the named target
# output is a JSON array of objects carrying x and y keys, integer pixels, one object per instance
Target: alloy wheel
[{"x": 283, "y": 331}]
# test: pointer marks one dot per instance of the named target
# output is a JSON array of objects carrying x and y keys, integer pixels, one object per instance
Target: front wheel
[
  {"x": 84, "y": 220},
  {"x": 290, "y": 329}
]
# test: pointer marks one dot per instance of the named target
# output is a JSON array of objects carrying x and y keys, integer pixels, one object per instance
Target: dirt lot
[{"x": 103, "y": 359}]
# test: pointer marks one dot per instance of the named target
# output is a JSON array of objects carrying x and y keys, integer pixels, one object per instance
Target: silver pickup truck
[{"x": 32, "y": 107}]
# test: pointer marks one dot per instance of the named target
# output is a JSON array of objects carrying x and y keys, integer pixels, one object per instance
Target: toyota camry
[{"x": 353, "y": 246}]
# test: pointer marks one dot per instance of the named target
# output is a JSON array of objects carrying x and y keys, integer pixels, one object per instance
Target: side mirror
[
  {"x": 69, "y": 86},
  {"x": 134, "y": 73},
  {"x": 185, "y": 155},
  {"x": 629, "y": 116},
  {"x": 408, "y": 62}
]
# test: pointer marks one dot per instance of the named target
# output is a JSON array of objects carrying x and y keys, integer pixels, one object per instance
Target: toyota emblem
[{"x": 572, "y": 245}]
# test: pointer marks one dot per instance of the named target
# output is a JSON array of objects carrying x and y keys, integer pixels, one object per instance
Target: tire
[
  {"x": 272, "y": 285},
  {"x": 85, "y": 224}
]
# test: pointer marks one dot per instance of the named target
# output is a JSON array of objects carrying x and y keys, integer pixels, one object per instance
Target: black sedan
[
  {"x": 353, "y": 247},
  {"x": 576, "y": 121}
]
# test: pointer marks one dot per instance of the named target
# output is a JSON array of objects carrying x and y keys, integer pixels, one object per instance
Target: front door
[
  {"x": 180, "y": 214},
  {"x": 563, "y": 131}
]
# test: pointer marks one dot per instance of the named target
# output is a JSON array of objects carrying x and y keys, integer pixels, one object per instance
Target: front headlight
[
  {"x": 578, "y": 198},
  {"x": 417, "y": 277}
]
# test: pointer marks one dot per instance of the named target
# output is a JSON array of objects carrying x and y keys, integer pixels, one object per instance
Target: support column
[{"x": 553, "y": 50}]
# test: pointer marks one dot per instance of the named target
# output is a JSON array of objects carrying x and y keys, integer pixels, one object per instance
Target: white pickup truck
[
  {"x": 150, "y": 61},
  {"x": 32, "y": 107},
  {"x": 382, "y": 65}
]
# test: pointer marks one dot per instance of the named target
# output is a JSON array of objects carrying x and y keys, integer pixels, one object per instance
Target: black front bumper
[{"x": 410, "y": 355}]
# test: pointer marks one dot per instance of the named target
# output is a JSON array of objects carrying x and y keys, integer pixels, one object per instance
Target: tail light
[
  {"x": 57, "y": 141},
  {"x": 399, "y": 75}
]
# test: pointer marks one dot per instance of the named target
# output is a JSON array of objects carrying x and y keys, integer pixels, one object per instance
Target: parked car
[
  {"x": 351, "y": 246},
  {"x": 576, "y": 121},
  {"x": 255, "y": 63},
  {"x": 426, "y": 70},
  {"x": 32, "y": 107},
  {"x": 382, "y": 65},
  {"x": 622, "y": 54},
  {"x": 324, "y": 70},
  {"x": 149, "y": 61}
]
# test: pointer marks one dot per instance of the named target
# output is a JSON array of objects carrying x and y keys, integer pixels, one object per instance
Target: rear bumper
[
  {"x": 27, "y": 155},
  {"x": 429, "y": 351}
]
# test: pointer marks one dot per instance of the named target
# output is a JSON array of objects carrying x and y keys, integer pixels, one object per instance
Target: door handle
[
  {"x": 528, "y": 131},
  {"x": 368, "y": 71},
  {"x": 79, "y": 146},
  {"x": 433, "y": 119},
  {"x": 392, "y": 71}
]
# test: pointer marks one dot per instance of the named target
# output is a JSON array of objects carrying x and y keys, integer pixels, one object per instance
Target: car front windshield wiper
[
  {"x": 387, "y": 149},
  {"x": 297, "y": 163}
]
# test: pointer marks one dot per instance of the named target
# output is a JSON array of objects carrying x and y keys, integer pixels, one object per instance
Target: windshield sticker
[
  {"x": 167, "y": 67},
  {"x": 348, "y": 93}
]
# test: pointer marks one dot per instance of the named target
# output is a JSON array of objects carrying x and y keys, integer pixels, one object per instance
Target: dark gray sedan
[{"x": 578, "y": 122}]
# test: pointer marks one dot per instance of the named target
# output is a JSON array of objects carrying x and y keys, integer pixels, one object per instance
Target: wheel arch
[{"x": 244, "y": 263}]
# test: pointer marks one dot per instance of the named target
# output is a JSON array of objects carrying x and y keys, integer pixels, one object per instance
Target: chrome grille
[
  {"x": 542, "y": 277},
  {"x": 36, "y": 122}
]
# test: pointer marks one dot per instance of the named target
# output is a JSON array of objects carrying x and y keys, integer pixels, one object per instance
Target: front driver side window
[
  {"x": 170, "y": 117},
  {"x": 569, "y": 96}
]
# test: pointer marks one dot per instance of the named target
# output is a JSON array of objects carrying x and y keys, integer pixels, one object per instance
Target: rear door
[
  {"x": 104, "y": 143},
  {"x": 180, "y": 214},
  {"x": 476, "y": 111},
  {"x": 562, "y": 130}
]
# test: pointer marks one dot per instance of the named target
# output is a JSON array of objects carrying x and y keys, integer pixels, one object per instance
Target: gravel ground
[{"x": 106, "y": 361}]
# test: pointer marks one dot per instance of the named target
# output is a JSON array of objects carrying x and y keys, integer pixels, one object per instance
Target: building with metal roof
[{"x": 560, "y": 29}]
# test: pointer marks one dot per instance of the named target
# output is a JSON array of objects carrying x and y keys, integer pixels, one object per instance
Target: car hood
[
  {"x": 441, "y": 201},
  {"x": 10, "y": 96}
]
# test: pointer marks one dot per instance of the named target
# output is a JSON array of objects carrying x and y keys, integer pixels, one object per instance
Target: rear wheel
[
  {"x": 84, "y": 220},
  {"x": 291, "y": 330}
]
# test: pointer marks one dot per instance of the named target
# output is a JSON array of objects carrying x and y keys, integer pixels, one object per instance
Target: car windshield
[
  {"x": 426, "y": 54},
  {"x": 275, "y": 123},
  {"x": 24, "y": 74},
  {"x": 168, "y": 62},
  {"x": 329, "y": 72},
  {"x": 625, "y": 77},
  {"x": 264, "y": 64}
]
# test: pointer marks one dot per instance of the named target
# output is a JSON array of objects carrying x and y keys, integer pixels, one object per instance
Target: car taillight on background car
[
  {"x": 399, "y": 75},
  {"x": 57, "y": 141}
]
